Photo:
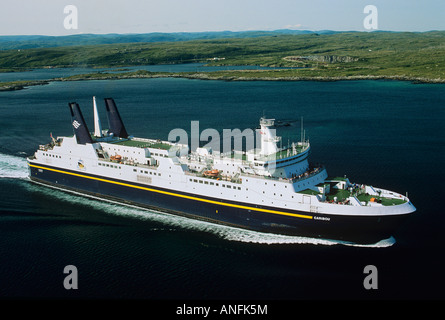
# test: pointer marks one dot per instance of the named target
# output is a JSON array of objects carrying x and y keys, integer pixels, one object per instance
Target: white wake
[{"x": 13, "y": 167}]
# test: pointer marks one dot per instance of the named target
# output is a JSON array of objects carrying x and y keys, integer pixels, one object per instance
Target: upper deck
[{"x": 143, "y": 143}]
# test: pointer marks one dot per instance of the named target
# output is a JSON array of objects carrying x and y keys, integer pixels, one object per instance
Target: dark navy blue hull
[{"x": 254, "y": 217}]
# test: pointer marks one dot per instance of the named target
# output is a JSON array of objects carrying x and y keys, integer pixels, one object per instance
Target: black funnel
[
  {"x": 116, "y": 126},
  {"x": 80, "y": 128}
]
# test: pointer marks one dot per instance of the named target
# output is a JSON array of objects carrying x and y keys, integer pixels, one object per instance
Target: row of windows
[
  {"x": 128, "y": 151},
  {"x": 215, "y": 183},
  {"x": 236, "y": 187},
  {"x": 52, "y": 155},
  {"x": 276, "y": 194},
  {"x": 135, "y": 170},
  {"x": 159, "y": 154},
  {"x": 265, "y": 183},
  {"x": 146, "y": 172},
  {"x": 119, "y": 150},
  {"x": 283, "y": 161},
  {"x": 257, "y": 164},
  {"x": 109, "y": 165},
  {"x": 285, "y": 186},
  {"x": 230, "y": 187}
]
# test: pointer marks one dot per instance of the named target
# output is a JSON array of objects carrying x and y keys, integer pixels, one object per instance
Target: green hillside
[{"x": 410, "y": 56}]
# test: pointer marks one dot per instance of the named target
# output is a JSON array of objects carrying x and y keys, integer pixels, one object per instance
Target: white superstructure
[{"x": 271, "y": 176}]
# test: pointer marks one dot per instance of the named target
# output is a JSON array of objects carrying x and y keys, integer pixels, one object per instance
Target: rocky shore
[
  {"x": 205, "y": 76},
  {"x": 19, "y": 85}
]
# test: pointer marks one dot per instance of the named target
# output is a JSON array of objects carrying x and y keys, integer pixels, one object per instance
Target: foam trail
[
  {"x": 177, "y": 222},
  {"x": 13, "y": 167},
  {"x": 270, "y": 238},
  {"x": 380, "y": 244},
  {"x": 249, "y": 236}
]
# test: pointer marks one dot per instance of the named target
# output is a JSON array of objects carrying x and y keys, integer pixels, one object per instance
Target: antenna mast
[{"x": 301, "y": 135}]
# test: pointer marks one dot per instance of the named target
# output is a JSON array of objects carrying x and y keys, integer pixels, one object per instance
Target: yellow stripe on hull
[{"x": 175, "y": 194}]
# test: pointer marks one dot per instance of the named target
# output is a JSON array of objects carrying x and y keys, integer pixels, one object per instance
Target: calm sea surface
[{"x": 384, "y": 133}]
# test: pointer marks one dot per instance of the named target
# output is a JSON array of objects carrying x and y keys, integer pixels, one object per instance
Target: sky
[{"x": 47, "y": 17}]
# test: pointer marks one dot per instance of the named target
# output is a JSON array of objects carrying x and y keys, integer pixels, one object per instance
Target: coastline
[
  {"x": 20, "y": 85},
  {"x": 205, "y": 76},
  {"x": 230, "y": 75}
]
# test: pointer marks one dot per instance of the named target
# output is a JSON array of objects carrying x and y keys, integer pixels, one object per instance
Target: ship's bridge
[
  {"x": 274, "y": 161},
  {"x": 285, "y": 163}
]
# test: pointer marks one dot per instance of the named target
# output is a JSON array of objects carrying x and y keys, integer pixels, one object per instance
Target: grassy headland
[{"x": 355, "y": 55}]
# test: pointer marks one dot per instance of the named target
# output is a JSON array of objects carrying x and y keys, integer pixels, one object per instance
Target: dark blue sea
[{"x": 384, "y": 133}]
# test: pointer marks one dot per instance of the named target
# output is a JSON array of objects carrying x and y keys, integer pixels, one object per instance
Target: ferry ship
[{"x": 270, "y": 189}]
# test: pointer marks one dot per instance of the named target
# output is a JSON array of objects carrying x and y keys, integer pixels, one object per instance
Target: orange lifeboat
[
  {"x": 211, "y": 173},
  {"x": 116, "y": 157}
]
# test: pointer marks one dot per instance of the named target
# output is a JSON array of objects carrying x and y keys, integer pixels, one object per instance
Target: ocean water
[{"x": 384, "y": 133}]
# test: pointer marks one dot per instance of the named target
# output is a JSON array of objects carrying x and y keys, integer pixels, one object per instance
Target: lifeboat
[
  {"x": 116, "y": 157},
  {"x": 211, "y": 173}
]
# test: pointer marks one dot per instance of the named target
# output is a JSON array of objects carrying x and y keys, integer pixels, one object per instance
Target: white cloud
[{"x": 294, "y": 26}]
